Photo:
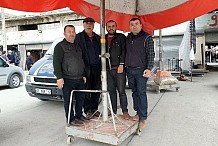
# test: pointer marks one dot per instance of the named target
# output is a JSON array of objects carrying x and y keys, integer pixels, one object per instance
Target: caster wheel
[
  {"x": 177, "y": 89},
  {"x": 158, "y": 91},
  {"x": 70, "y": 140},
  {"x": 138, "y": 132}
]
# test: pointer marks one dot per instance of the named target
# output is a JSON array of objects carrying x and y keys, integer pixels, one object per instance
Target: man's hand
[
  {"x": 120, "y": 69},
  {"x": 84, "y": 79},
  {"x": 147, "y": 73},
  {"x": 60, "y": 83}
]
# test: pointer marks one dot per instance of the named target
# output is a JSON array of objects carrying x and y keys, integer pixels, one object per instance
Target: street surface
[{"x": 184, "y": 118}]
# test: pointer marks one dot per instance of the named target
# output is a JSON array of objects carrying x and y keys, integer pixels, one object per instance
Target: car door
[{"x": 3, "y": 72}]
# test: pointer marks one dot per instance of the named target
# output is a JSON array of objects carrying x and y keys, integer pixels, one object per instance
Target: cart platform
[
  {"x": 98, "y": 130},
  {"x": 158, "y": 88}
]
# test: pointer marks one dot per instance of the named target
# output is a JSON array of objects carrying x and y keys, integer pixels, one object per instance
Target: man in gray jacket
[{"x": 69, "y": 69}]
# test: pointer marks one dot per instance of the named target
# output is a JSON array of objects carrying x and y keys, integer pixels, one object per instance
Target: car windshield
[{"x": 51, "y": 48}]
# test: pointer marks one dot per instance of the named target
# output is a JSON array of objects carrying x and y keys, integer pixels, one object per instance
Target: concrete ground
[{"x": 184, "y": 118}]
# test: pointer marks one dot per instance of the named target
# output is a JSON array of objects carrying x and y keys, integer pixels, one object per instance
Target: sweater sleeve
[
  {"x": 57, "y": 61},
  {"x": 150, "y": 52},
  {"x": 123, "y": 49}
]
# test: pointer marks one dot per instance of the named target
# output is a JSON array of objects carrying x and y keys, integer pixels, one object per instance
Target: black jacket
[
  {"x": 80, "y": 38},
  {"x": 117, "y": 49},
  {"x": 68, "y": 60}
]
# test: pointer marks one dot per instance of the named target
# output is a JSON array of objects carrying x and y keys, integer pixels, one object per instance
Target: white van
[{"x": 41, "y": 81}]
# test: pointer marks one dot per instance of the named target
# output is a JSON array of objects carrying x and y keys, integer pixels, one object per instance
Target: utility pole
[
  {"x": 161, "y": 66},
  {"x": 3, "y": 30}
]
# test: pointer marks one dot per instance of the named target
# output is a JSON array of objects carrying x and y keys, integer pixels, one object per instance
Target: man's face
[
  {"x": 88, "y": 26},
  {"x": 70, "y": 34},
  {"x": 135, "y": 26},
  {"x": 111, "y": 28}
]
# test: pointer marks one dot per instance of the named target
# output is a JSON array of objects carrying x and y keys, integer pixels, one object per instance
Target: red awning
[{"x": 153, "y": 14}]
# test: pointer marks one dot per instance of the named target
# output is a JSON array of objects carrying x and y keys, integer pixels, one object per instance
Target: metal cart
[{"x": 112, "y": 131}]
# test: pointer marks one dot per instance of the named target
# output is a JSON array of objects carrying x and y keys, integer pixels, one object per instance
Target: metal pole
[
  {"x": 103, "y": 60},
  {"x": 160, "y": 50},
  {"x": 3, "y": 30}
]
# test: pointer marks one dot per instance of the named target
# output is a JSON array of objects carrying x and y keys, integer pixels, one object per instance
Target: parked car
[
  {"x": 41, "y": 81},
  {"x": 10, "y": 75}
]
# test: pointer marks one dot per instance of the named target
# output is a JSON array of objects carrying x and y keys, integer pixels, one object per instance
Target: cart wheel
[
  {"x": 138, "y": 131},
  {"x": 157, "y": 91},
  {"x": 70, "y": 140},
  {"x": 177, "y": 89}
]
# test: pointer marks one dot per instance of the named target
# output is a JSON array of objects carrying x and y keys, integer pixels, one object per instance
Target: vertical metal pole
[
  {"x": 103, "y": 60},
  {"x": 191, "y": 36},
  {"x": 3, "y": 30},
  {"x": 160, "y": 50}
]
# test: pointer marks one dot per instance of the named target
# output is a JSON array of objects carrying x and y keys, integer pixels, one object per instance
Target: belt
[{"x": 135, "y": 67}]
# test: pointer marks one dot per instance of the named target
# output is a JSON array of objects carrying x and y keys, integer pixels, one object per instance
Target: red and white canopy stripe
[{"x": 154, "y": 14}]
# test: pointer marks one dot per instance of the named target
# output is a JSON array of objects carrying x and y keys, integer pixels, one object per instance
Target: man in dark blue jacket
[
  {"x": 139, "y": 62},
  {"x": 90, "y": 43},
  {"x": 116, "y": 75}
]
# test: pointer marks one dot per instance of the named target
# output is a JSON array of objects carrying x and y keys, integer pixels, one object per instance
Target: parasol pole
[{"x": 103, "y": 60}]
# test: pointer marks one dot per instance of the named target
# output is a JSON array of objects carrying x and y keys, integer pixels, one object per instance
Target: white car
[{"x": 10, "y": 75}]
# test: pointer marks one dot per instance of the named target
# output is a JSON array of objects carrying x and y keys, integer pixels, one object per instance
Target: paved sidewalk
[{"x": 184, "y": 118}]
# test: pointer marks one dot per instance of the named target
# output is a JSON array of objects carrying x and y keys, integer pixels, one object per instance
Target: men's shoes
[
  {"x": 84, "y": 119},
  {"x": 135, "y": 118},
  {"x": 126, "y": 116},
  {"x": 77, "y": 122},
  {"x": 89, "y": 115},
  {"x": 97, "y": 114},
  {"x": 142, "y": 124}
]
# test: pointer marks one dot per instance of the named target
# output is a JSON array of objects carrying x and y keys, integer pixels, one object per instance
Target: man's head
[
  {"x": 28, "y": 53},
  {"x": 88, "y": 24},
  {"x": 135, "y": 25},
  {"x": 69, "y": 33},
  {"x": 111, "y": 27},
  {"x": 9, "y": 52}
]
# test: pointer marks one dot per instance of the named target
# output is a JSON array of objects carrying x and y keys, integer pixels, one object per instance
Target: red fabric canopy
[{"x": 163, "y": 13}]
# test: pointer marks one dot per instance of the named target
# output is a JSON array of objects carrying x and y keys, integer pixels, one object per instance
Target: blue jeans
[
  {"x": 117, "y": 81},
  {"x": 138, "y": 85},
  {"x": 69, "y": 85}
]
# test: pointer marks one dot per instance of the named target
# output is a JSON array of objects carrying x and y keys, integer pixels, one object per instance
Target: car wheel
[{"x": 14, "y": 81}]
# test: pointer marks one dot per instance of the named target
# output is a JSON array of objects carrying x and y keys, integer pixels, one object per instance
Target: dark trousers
[
  {"x": 117, "y": 81},
  {"x": 93, "y": 83},
  {"x": 69, "y": 85},
  {"x": 138, "y": 84}
]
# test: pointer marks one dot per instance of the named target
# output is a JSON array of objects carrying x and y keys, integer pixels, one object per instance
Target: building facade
[{"x": 36, "y": 33}]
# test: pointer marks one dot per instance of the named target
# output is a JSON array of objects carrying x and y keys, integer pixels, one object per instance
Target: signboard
[{"x": 208, "y": 21}]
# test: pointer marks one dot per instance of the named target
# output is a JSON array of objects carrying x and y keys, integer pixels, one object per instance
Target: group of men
[
  {"x": 77, "y": 66},
  {"x": 11, "y": 57}
]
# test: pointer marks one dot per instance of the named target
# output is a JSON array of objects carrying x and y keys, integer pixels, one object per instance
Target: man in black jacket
[
  {"x": 139, "y": 62},
  {"x": 116, "y": 76},
  {"x": 90, "y": 43},
  {"x": 69, "y": 68}
]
